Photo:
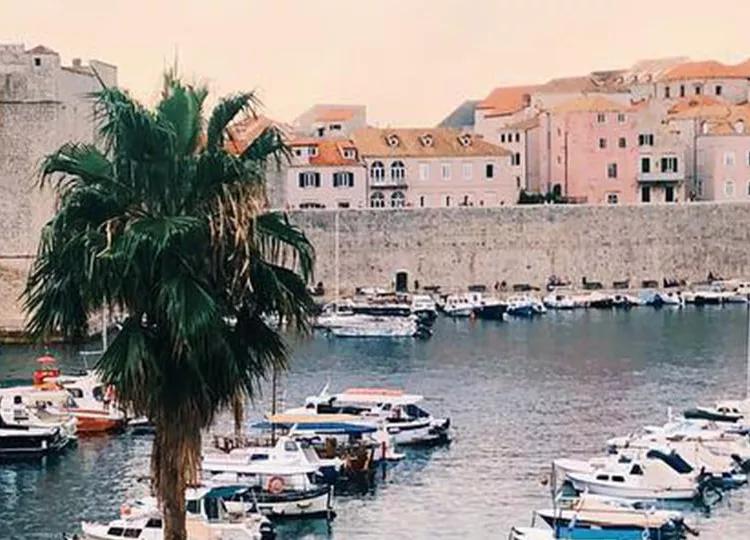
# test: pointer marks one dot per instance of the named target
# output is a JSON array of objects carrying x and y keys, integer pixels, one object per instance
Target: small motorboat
[
  {"x": 360, "y": 326},
  {"x": 604, "y": 513},
  {"x": 277, "y": 490},
  {"x": 24, "y": 434},
  {"x": 524, "y": 306},
  {"x": 575, "y": 533},
  {"x": 560, "y": 300},
  {"x": 207, "y": 516},
  {"x": 490, "y": 308},
  {"x": 405, "y": 421},
  {"x": 458, "y": 306},
  {"x": 656, "y": 476}
]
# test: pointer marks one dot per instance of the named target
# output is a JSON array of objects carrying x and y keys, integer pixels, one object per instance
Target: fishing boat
[
  {"x": 657, "y": 476},
  {"x": 560, "y": 300},
  {"x": 405, "y": 421},
  {"x": 489, "y": 308},
  {"x": 277, "y": 490},
  {"x": 606, "y": 514},
  {"x": 574, "y": 533},
  {"x": 424, "y": 307},
  {"x": 207, "y": 517}
]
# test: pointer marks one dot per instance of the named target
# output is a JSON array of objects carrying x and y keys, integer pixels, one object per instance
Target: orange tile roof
[
  {"x": 445, "y": 143},
  {"x": 243, "y": 133},
  {"x": 522, "y": 125},
  {"x": 688, "y": 103},
  {"x": 724, "y": 124},
  {"x": 593, "y": 103},
  {"x": 709, "y": 69},
  {"x": 506, "y": 100},
  {"x": 330, "y": 151}
]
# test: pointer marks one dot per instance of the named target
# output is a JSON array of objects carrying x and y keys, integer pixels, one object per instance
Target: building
[
  {"x": 730, "y": 83},
  {"x": 592, "y": 151},
  {"x": 723, "y": 156},
  {"x": 43, "y": 104},
  {"x": 324, "y": 173},
  {"x": 434, "y": 167},
  {"x": 336, "y": 121}
]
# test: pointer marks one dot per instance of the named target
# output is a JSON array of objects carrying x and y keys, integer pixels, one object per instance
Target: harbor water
[{"x": 518, "y": 393}]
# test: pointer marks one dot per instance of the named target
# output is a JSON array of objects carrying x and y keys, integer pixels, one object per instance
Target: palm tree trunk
[
  {"x": 238, "y": 411},
  {"x": 174, "y": 457}
]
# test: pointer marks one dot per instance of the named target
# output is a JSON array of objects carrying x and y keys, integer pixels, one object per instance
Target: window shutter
[
  {"x": 301, "y": 180},
  {"x": 317, "y": 179},
  {"x": 351, "y": 179}
]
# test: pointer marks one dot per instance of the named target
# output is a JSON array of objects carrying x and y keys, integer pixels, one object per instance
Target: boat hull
[{"x": 583, "y": 484}]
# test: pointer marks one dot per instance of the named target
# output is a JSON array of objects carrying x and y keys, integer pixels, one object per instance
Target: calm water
[{"x": 519, "y": 394}]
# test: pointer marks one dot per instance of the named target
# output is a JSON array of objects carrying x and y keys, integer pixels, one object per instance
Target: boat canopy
[
  {"x": 323, "y": 428},
  {"x": 299, "y": 419},
  {"x": 225, "y": 492},
  {"x": 377, "y": 395}
]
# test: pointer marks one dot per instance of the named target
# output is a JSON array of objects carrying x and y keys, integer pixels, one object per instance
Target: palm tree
[{"x": 168, "y": 227}]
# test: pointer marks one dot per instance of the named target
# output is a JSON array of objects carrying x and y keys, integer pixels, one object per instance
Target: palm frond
[{"x": 224, "y": 113}]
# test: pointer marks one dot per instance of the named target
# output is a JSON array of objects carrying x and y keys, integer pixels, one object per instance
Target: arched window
[
  {"x": 398, "y": 171},
  {"x": 377, "y": 172},
  {"x": 377, "y": 200},
  {"x": 397, "y": 199}
]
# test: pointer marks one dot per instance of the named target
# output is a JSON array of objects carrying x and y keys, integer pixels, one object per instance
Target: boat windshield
[{"x": 415, "y": 412}]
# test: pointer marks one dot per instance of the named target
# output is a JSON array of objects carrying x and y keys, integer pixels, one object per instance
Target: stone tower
[{"x": 43, "y": 105}]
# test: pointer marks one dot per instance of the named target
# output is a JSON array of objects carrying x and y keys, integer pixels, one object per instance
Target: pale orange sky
[{"x": 410, "y": 61}]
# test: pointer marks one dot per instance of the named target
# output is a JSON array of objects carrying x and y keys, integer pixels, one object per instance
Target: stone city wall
[{"x": 457, "y": 247}]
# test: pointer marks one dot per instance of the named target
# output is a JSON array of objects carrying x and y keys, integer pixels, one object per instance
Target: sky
[{"x": 410, "y": 61}]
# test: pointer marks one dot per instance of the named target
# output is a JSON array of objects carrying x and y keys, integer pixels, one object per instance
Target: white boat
[
  {"x": 655, "y": 477},
  {"x": 363, "y": 326},
  {"x": 667, "y": 298},
  {"x": 626, "y": 300},
  {"x": 23, "y": 434},
  {"x": 524, "y": 306},
  {"x": 422, "y": 305},
  {"x": 286, "y": 451},
  {"x": 277, "y": 490},
  {"x": 405, "y": 421},
  {"x": 560, "y": 300},
  {"x": 458, "y": 305},
  {"x": 207, "y": 518}
]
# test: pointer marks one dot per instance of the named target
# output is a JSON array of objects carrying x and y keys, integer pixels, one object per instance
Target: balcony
[
  {"x": 388, "y": 183},
  {"x": 655, "y": 177}
]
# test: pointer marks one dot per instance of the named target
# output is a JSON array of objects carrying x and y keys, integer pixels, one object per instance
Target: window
[
  {"x": 397, "y": 199},
  {"x": 729, "y": 159},
  {"x": 445, "y": 171},
  {"x": 636, "y": 470},
  {"x": 645, "y": 165},
  {"x": 424, "y": 171},
  {"x": 646, "y": 139},
  {"x": 515, "y": 159},
  {"x": 377, "y": 172},
  {"x": 193, "y": 506},
  {"x": 489, "y": 170},
  {"x": 612, "y": 170},
  {"x": 115, "y": 531},
  {"x": 617, "y": 478},
  {"x": 343, "y": 204},
  {"x": 398, "y": 172},
  {"x": 465, "y": 202},
  {"x": 682, "y": 90},
  {"x": 312, "y": 151},
  {"x": 334, "y": 127},
  {"x": 37, "y": 61},
  {"x": 421, "y": 201},
  {"x": 699, "y": 187},
  {"x": 350, "y": 153},
  {"x": 377, "y": 200},
  {"x": 343, "y": 179},
  {"x": 669, "y": 164},
  {"x": 502, "y": 137},
  {"x": 622, "y": 142},
  {"x": 153, "y": 523},
  {"x": 729, "y": 188},
  {"x": 669, "y": 194},
  {"x": 621, "y": 118},
  {"x": 132, "y": 533},
  {"x": 309, "y": 179},
  {"x": 518, "y": 137},
  {"x": 468, "y": 171},
  {"x": 447, "y": 200},
  {"x": 298, "y": 152},
  {"x": 601, "y": 118},
  {"x": 518, "y": 182},
  {"x": 311, "y": 206},
  {"x": 667, "y": 92},
  {"x": 602, "y": 143},
  {"x": 698, "y": 90},
  {"x": 645, "y": 194},
  {"x": 612, "y": 198},
  {"x": 718, "y": 90}
]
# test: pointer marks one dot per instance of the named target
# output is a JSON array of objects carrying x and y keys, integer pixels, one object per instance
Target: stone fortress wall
[{"x": 457, "y": 247}]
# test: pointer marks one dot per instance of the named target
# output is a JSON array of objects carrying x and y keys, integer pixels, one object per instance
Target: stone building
[{"x": 43, "y": 104}]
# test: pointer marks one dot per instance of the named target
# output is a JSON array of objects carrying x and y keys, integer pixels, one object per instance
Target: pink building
[
  {"x": 592, "y": 151},
  {"x": 723, "y": 153},
  {"x": 435, "y": 167},
  {"x": 324, "y": 173}
]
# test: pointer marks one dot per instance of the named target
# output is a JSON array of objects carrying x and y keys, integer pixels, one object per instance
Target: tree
[{"x": 167, "y": 226}]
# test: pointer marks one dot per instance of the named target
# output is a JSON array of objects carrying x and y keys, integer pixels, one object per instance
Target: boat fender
[
  {"x": 275, "y": 485},
  {"x": 645, "y": 534},
  {"x": 125, "y": 510}
]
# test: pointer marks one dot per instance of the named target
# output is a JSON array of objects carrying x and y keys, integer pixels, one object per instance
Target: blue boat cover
[
  {"x": 225, "y": 492},
  {"x": 327, "y": 428}
]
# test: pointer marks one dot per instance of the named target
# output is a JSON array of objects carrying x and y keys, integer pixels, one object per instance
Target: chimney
[{"x": 76, "y": 62}]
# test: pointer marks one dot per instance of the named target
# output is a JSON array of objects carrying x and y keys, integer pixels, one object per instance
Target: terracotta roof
[
  {"x": 445, "y": 142},
  {"x": 692, "y": 102},
  {"x": 506, "y": 100},
  {"x": 41, "y": 49},
  {"x": 244, "y": 132},
  {"x": 709, "y": 69},
  {"x": 591, "y": 104},
  {"x": 330, "y": 151},
  {"x": 726, "y": 123}
]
